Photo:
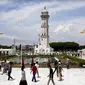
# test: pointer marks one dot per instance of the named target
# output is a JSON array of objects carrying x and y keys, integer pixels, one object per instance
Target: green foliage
[
  {"x": 82, "y": 47},
  {"x": 39, "y": 55},
  {"x": 5, "y": 46},
  {"x": 5, "y": 57},
  {"x": 28, "y": 56},
  {"x": 64, "y": 46},
  {"x": 76, "y": 60}
]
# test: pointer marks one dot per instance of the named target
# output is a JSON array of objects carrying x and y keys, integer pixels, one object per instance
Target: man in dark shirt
[
  {"x": 9, "y": 71},
  {"x": 56, "y": 67},
  {"x": 50, "y": 75}
]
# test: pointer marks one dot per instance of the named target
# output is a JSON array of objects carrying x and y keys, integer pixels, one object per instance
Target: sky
[{"x": 20, "y": 19}]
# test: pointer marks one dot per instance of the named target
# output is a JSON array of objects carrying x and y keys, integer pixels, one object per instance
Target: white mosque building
[{"x": 43, "y": 47}]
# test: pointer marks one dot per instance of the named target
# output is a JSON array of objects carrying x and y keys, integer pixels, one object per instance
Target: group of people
[
  {"x": 58, "y": 70},
  {"x": 7, "y": 68},
  {"x": 34, "y": 71}
]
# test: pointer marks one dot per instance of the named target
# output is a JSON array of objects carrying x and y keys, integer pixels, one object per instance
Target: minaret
[{"x": 44, "y": 37}]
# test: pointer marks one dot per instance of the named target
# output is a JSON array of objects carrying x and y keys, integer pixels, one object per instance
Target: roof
[{"x": 5, "y": 49}]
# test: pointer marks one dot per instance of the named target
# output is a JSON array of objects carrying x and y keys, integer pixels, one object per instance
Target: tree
[
  {"x": 82, "y": 47},
  {"x": 5, "y": 47},
  {"x": 64, "y": 46}
]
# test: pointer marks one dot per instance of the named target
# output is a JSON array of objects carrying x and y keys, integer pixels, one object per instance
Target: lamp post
[
  {"x": 1, "y": 33},
  {"x": 21, "y": 49},
  {"x": 82, "y": 32}
]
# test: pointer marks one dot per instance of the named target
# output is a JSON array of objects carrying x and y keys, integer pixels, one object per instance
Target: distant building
[
  {"x": 26, "y": 49},
  {"x": 11, "y": 51}
]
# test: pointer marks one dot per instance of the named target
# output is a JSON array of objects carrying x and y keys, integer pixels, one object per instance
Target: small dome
[{"x": 45, "y": 9}]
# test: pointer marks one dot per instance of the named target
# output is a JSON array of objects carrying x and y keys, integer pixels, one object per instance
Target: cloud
[
  {"x": 69, "y": 31},
  {"x": 25, "y": 22},
  {"x": 9, "y": 37},
  {"x": 66, "y": 6},
  {"x": 4, "y": 1},
  {"x": 63, "y": 28}
]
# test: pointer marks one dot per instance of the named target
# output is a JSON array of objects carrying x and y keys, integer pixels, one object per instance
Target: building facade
[
  {"x": 43, "y": 46},
  {"x": 11, "y": 51}
]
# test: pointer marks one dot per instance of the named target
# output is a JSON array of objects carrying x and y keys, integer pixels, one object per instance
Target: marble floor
[{"x": 72, "y": 76}]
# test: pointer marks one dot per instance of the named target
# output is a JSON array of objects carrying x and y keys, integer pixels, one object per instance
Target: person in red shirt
[{"x": 34, "y": 70}]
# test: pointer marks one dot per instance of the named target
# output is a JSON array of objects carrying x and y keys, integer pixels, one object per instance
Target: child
[
  {"x": 34, "y": 70},
  {"x": 9, "y": 71},
  {"x": 50, "y": 75},
  {"x": 37, "y": 66},
  {"x": 23, "y": 78}
]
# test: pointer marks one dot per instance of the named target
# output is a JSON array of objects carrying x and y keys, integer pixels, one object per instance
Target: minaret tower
[
  {"x": 44, "y": 37},
  {"x": 43, "y": 47}
]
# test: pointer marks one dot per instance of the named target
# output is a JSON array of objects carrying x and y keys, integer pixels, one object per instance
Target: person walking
[
  {"x": 37, "y": 66},
  {"x": 23, "y": 77},
  {"x": 10, "y": 71},
  {"x": 56, "y": 67},
  {"x": 60, "y": 70},
  {"x": 34, "y": 70},
  {"x": 68, "y": 63},
  {"x": 5, "y": 67},
  {"x": 32, "y": 62},
  {"x": 50, "y": 75},
  {"x": 0, "y": 66}
]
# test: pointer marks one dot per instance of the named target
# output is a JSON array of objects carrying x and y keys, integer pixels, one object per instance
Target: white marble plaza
[{"x": 73, "y": 76}]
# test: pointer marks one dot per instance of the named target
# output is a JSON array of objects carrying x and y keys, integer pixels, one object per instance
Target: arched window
[
  {"x": 7, "y": 52},
  {"x": 36, "y": 51},
  {"x": 43, "y": 50},
  {"x": 40, "y": 50},
  {"x": 42, "y": 39}
]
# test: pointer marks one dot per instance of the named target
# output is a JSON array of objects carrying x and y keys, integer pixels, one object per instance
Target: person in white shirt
[
  {"x": 23, "y": 78},
  {"x": 37, "y": 66},
  {"x": 5, "y": 67},
  {"x": 60, "y": 70}
]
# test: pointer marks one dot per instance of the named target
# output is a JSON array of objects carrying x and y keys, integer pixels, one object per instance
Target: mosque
[{"x": 43, "y": 47}]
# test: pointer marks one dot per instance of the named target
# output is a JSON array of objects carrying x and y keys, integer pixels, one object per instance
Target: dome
[{"x": 45, "y": 9}]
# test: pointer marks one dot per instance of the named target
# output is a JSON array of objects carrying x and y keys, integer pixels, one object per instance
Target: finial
[{"x": 44, "y": 7}]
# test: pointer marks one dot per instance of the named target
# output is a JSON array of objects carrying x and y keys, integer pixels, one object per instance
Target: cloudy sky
[{"x": 20, "y": 19}]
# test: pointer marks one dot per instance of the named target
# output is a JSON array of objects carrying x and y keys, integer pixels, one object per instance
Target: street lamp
[
  {"x": 82, "y": 32},
  {"x": 1, "y": 33}
]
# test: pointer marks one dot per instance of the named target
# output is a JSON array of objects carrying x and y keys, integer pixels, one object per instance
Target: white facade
[
  {"x": 43, "y": 47},
  {"x": 7, "y": 51}
]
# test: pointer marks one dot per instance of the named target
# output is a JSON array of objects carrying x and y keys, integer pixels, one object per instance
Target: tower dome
[{"x": 45, "y": 9}]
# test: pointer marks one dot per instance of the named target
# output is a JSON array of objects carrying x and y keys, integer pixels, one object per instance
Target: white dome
[{"x": 45, "y": 9}]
